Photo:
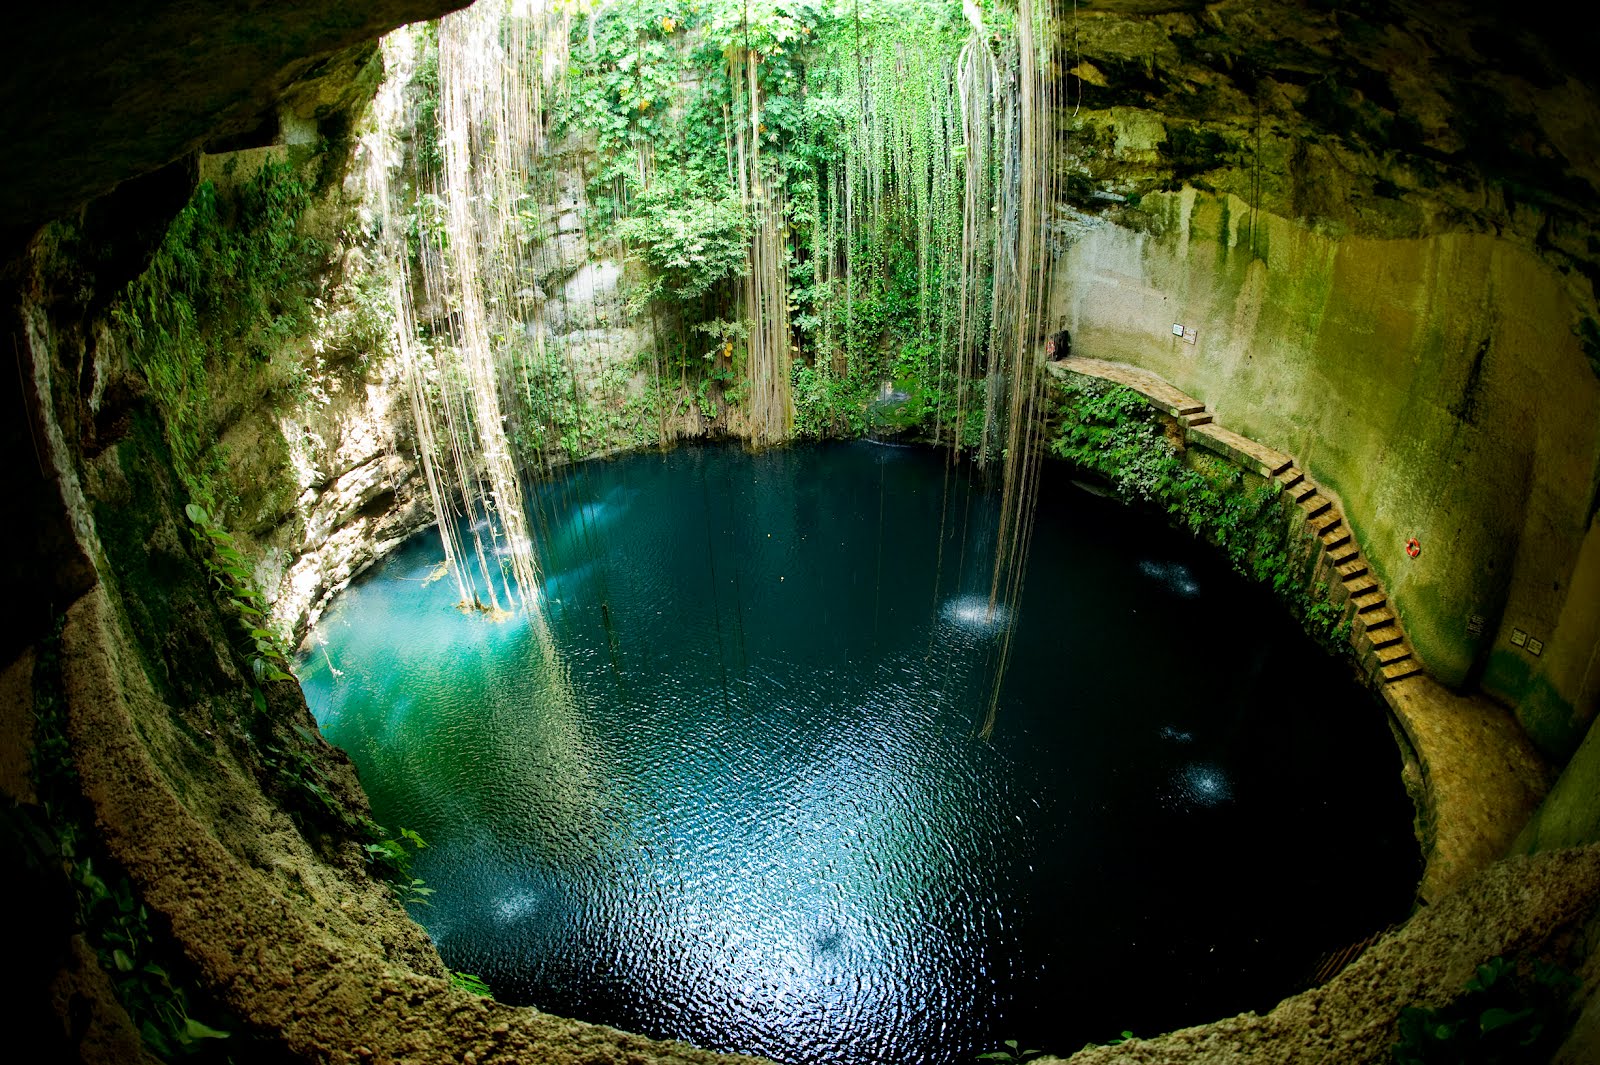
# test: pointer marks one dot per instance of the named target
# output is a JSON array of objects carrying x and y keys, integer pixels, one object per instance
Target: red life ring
[{"x": 1413, "y": 548}]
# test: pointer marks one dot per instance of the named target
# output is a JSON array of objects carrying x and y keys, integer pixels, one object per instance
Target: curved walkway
[{"x": 1479, "y": 776}]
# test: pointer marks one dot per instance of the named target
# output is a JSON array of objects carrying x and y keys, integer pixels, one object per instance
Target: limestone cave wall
[
  {"x": 1362, "y": 236},
  {"x": 1442, "y": 333}
]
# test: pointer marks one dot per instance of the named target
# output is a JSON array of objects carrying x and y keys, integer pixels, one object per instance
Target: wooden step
[
  {"x": 1343, "y": 552},
  {"x": 1199, "y": 418},
  {"x": 1376, "y": 618},
  {"x": 1370, "y": 601},
  {"x": 1360, "y": 585},
  {"x": 1392, "y": 652},
  {"x": 1336, "y": 536},
  {"x": 1315, "y": 505},
  {"x": 1387, "y": 636},
  {"x": 1290, "y": 477},
  {"x": 1347, "y": 571},
  {"x": 1400, "y": 670},
  {"x": 1324, "y": 521},
  {"x": 1303, "y": 490}
]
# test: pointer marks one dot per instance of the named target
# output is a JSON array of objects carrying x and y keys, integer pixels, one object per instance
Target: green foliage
[
  {"x": 1112, "y": 431},
  {"x": 826, "y": 405},
  {"x": 427, "y": 150},
  {"x": 390, "y": 860},
  {"x": 158, "y": 1007},
  {"x": 1123, "y": 1038},
  {"x": 230, "y": 573},
  {"x": 228, "y": 289},
  {"x": 115, "y": 923},
  {"x": 1013, "y": 1054},
  {"x": 844, "y": 87},
  {"x": 1508, "y": 1014},
  {"x": 471, "y": 984},
  {"x": 555, "y": 415},
  {"x": 695, "y": 237}
]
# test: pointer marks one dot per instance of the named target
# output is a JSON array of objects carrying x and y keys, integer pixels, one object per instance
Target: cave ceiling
[{"x": 1493, "y": 102}]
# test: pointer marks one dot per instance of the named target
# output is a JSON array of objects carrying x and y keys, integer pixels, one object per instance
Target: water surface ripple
[{"x": 738, "y": 798}]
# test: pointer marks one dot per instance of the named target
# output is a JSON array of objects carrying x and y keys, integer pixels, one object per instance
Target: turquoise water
[{"x": 737, "y": 797}]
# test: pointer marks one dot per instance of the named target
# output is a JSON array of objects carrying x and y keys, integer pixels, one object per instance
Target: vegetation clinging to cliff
[
  {"x": 227, "y": 290},
  {"x": 854, "y": 113},
  {"x": 1111, "y": 431}
]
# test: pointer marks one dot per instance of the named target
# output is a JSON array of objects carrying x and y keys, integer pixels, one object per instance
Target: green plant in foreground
[
  {"x": 391, "y": 861},
  {"x": 1505, "y": 1016},
  {"x": 113, "y": 919},
  {"x": 230, "y": 572},
  {"x": 155, "y": 1003},
  {"x": 1012, "y": 1054},
  {"x": 472, "y": 984}
]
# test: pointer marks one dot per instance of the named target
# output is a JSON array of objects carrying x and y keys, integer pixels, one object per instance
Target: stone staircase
[
  {"x": 1374, "y": 629},
  {"x": 1375, "y": 633}
]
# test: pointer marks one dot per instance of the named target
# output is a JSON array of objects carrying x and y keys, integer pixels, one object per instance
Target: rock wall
[
  {"x": 195, "y": 777},
  {"x": 1372, "y": 228},
  {"x": 1434, "y": 383}
]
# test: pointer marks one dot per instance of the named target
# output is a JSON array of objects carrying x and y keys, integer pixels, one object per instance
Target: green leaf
[
  {"x": 195, "y": 1030},
  {"x": 197, "y": 514},
  {"x": 1498, "y": 1018},
  {"x": 468, "y": 982},
  {"x": 123, "y": 962}
]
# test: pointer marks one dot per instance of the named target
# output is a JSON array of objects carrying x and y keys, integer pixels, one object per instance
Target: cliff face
[{"x": 1375, "y": 220}]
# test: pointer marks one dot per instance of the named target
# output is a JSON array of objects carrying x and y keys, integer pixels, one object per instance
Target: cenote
[{"x": 738, "y": 795}]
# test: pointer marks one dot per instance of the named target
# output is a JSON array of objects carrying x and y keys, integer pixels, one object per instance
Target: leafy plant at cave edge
[
  {"x": 1506, "y": 1016},
  {"x": 391, "y": 860},
  {"x": 230, "y": 572},
  {"x": 472, "y": 984},
  {"x": 1014, "y": 1054},
  {"x": 115, "y": 923},
  {"x": 1110, "y": 431}
]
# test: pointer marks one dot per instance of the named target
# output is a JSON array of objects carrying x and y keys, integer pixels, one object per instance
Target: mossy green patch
[
  {"x": 1507, "y": 674},
  {"x": 1549, "y": 721},
  {"x": 1110, "y": 431},
  {"x": 1570, "y": 814}
]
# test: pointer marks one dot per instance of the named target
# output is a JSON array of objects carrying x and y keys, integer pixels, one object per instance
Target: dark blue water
[{"x": 737, "y": 797}]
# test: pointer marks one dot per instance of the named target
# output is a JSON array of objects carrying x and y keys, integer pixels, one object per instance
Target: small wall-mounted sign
[
  {"x": 1536, "y": 647},
  {"x": 1177, "y": 329},
  {"x": 1518, "y": 638},
  {"x": 1475, "y": 625}
]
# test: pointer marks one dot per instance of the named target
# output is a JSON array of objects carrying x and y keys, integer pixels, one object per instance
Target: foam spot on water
[
  {"x": 1173, "y": 576},
  {"x": 1201, "y": 785},
  {"x": 517, "y": 906},
  {"x": 1176, "y": 735},
  {"x": 973, "y": 614}
]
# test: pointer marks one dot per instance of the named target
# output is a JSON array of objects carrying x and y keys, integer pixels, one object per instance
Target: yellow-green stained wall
[
  {"x": 1435, "y": 385},
  {"x": 1570, "y": 814}
]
